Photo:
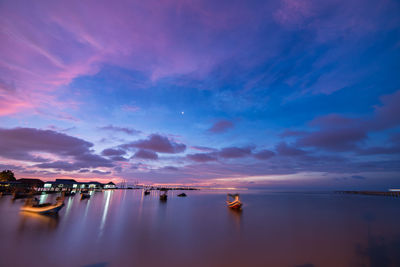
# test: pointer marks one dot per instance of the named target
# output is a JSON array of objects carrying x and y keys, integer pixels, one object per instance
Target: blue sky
[{"x": 271, "y": 94}]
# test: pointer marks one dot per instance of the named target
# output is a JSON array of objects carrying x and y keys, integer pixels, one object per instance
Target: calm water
[{"x": 125, "y": 228}]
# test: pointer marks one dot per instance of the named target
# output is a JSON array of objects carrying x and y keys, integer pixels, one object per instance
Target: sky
[{"x": 251, "y": 94}]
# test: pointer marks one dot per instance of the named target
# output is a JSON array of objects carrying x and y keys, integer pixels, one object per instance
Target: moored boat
[
  {"x": 85, "y": 195},
  {"x": 32, "y": 205},
  {"x": 146, "y": 192},
  {"x": 233, "y": 201},
  {"x": 182, "y": 195},
  {"x": 164, "y": 196}
]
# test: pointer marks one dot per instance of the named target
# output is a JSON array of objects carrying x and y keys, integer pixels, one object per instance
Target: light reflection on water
[{"x": 126, "y": 228}]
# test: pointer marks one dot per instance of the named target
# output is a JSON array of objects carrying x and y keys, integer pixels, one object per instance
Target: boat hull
[
  {"x": 235, "y": 205},
  {"x": 43, "y": 210}
]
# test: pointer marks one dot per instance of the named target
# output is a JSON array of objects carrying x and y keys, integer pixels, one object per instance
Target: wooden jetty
[{"x": 390, "y": 193}]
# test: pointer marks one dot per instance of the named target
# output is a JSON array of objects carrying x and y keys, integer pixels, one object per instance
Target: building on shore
[
  {"x": 110, "y": 185},
  {"x": 57, "y": 185}
]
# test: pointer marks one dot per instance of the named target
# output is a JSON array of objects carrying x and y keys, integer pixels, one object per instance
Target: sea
[{"x": 128, "y": 228}]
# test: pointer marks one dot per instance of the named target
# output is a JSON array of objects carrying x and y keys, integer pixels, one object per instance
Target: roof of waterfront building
[
  {"x": 66, "y": 181},
  {"x": 30, "y": 181}
]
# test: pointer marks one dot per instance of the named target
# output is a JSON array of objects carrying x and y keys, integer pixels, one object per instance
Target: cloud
[
  {"x": 339, "y": 133},
  {"x": 224, "y": 153},
  {"x": 221, "y": 126},
  {"x": 202, "y": 157},
  {"x": 392, "y": 146},
  {"x": 146, "y": 154},
  {"x": 342, "y": 139},
  {"x": 101, "y": 172},
  {"x": 7, "y": 87},
  {"x": 284, "y": 149},
  {"x": 387, "y": 115},
  {"x": 204, "y": 148},
  {"x": 171, "y": 168},
  {"x": 125, "y": 130},
  {"x": 157, "y": 143},
  {"x": 23, "y": 143},
  {"x": 113, "y": 152},
  {"x": 234, "y": 152},
  {"x": 61, "y": 166},
  {"x": 19, "y": 143},
  {"x": 294, "y": 12},
  {"x": 264, "y": 154},
  {"x": 290, "y": 133},
  {"x": 48, "y": 49},
  {"x": 358, "y": 177}
]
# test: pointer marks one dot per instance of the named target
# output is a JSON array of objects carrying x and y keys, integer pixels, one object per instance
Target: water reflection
[
  {"x": 43, "y": 198},
  {"x": 271, "y": 230},
  {"x": 379, "y": 252},
  {"x": 68, "y": 205},
  {"x": 236, "y": 215},
  {"x": 33, "y": 221},
  {"x": 107, "y": 194}
]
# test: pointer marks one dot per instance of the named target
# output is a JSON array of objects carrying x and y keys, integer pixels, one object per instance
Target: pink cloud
[{"x": 48, "y": 44}]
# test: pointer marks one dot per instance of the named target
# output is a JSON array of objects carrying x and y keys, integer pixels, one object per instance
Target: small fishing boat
[
  {"x": 146, "y": 192},
  {"x": 85, "y": 195},
  {"x": 163, "y": 197},
  {"x": 32, "y": 205},
  {"x": 233, "y": 201},
  {"x": 182, "y": 195}
]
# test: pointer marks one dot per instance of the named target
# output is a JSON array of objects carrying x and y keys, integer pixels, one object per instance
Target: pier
[{"x": 390, "y": 193}]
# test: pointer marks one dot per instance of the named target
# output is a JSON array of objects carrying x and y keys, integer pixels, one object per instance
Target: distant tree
[{"x": 7, "y": 176}]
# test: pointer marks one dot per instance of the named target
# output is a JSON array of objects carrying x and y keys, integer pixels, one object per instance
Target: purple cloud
[
  {"x": 338, "y": 133},
  {"x": 387, "y": 115},
  {"x": 113, "y": 152},
  {"x": 234, "y": 152},
  {"x": 204, "y": 149},
  {"x": 264, "y": 154},
  {"x": 392, "y": 147},
  {"x": 221, "y": 126},
  {"x": 126, "y": 130},
  {"x": 294, "y": 12},
  {"x": 334, "y": 139},
  {"x": 284, "y": 150},
  {"x": 359, "y": 177},
  {"x": 157, "y": 143},
  {"x": 202, "y": 157},
  {"x": 22, "y": 143},
  {"x": 101, "y": 172},
  {"x": 146, "y": 154},
  {"x": 61, "y": 166}
]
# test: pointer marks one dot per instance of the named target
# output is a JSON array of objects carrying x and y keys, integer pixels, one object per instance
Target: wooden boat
[
  {"x": 85, "y": 195},
  {"x": 233, "y": 201},
  {"x": 163, "y": 197},
  {"x": 146, "y": 192},
  {"x": 32, "y": 205},
  {"x": 182, "y": 195}
]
